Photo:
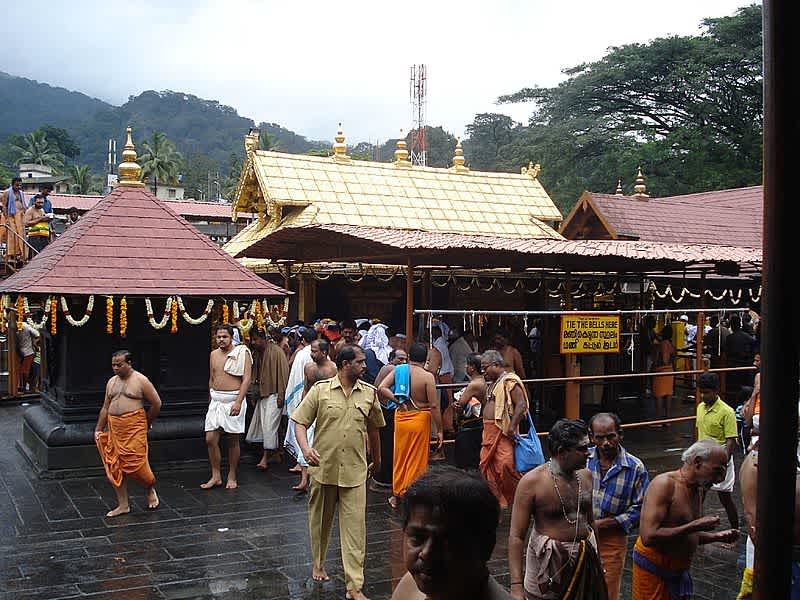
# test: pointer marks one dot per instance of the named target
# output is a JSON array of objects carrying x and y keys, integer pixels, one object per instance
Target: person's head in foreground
[
  {"x": 706, "y": 461},
  {"x": 450, "y": 531},
  {"x": 708, "y": 384},
  {"x": 569, "y": 444}
]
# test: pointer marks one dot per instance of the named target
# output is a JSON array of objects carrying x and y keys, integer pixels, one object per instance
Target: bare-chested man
[
  {"x": 321, "y": 367},
  {"x": 469, "y": 409},
  {"x": 558, "y": 495},
  {"x": 412, "y": 390},
  {"x": 671, "y": 526},
  {"x": 382, "y": 479},
  {"x": 123, "y": 447},
  {"x": 348, "y": 329},
  {"x": 230, "y": 369},
  {"x": 511, "y": 355}
]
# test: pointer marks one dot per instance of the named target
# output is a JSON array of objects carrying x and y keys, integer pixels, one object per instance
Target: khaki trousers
[
  {"x": 323, "y": 502},
  {"x": 612, "y": 545}
]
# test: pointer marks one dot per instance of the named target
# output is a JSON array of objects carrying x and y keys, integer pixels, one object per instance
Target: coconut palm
[
  {"x": 36, "y": 149},
  {"x": 160, "y": 160},
  {"x": 82, "y": 182}
]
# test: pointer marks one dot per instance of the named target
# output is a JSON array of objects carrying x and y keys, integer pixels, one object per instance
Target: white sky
[{"x": 308, "y": 65}]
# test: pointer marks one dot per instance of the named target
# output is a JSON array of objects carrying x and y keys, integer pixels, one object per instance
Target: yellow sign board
[{"x": 589, "y": 334}]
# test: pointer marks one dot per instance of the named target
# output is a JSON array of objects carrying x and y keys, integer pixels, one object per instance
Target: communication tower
[{"x": 418, "y": 90}]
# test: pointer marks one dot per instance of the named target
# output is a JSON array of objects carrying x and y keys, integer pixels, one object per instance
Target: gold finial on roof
[
  {"x": 251, "y": 140},
  {"x": 401, "y": 152},
  {"x": 532, "y": 170},
  {"x": 458, "y": 159},
  {"x": 618, "y": 191},
  {"x": 639, "y": 188},
  {"x": 130, "y": 173},
  {"x": 339, "y": 147}
]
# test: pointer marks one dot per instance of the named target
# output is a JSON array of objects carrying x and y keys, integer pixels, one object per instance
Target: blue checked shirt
[{"x": 620, "y": 493}]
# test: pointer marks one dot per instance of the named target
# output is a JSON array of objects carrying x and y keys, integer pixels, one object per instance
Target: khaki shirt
[{"x": 340, "y": 432}]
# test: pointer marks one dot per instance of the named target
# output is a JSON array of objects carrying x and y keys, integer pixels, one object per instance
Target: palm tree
[
  {"x": 267, "y": 141},
  {"x": 36, "y": 149},
  {"x": 81, "y": 178},
  {"x": 160, "y": 160}
]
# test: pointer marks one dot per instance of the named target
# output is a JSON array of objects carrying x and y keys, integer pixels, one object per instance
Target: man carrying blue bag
[{"x": 619, "y": 481}]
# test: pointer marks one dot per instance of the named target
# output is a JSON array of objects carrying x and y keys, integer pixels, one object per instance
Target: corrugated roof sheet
[{"x": 134, "y": 244}]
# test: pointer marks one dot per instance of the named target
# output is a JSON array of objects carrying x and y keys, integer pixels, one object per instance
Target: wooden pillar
[
  {"x": 572, "y": 390},
  {"x": 779, "y": 353},
  {"x": 698, "y": 337},
  {"x": 409, "y": 303}
]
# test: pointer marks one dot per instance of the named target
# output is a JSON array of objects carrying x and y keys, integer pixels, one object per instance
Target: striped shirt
[{"x": 620, "y": 492}]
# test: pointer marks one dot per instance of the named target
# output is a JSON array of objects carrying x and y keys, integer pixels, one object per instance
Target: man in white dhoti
[
  {"x": 230, "y": 369},
  {"x": 294, "y": 395}
]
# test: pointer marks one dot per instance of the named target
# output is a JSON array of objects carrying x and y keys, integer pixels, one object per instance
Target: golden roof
[{"x": 295, "y": 190}]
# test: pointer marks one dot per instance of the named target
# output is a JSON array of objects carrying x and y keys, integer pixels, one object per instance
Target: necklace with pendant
[{"x": 563, "y": 506}]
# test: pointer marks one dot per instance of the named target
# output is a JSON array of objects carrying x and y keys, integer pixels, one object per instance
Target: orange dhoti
[
  {"x": 497, "y": 464},
  {"x": 663, "y": 385},
  {"x": 612, "y": 546},
  {"x": 412, "y": 437},
  {"x": 659, "y": 576},
  {"x": 123, "y": 448}
]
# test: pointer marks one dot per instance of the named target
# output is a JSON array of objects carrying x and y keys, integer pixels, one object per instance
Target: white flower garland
[
  {"x": 72, "y": 321},
  {"x": 268, "y": 315},
  {"x": 41, "y": 325},
  {"x": 165, "y": 319},
  {"x": 198, "y": 320}
]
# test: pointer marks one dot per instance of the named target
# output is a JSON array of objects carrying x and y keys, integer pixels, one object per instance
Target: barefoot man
[
  {"x": 347, "y": 416},
  {"x": 230, "y": 370},
  {"x": 561, "y": 561},
  {"x": 412, "y": 418},
  {"x": 671, "y": 526},
  {"x": 321, "y": 367},
  {"x": 123, "y": 447}
]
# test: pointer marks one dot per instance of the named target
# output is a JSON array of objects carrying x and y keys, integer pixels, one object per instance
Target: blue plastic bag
[{"x": 528, "y": 450}]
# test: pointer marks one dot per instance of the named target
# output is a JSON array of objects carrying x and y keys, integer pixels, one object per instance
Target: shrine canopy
[{"x": 134, "y": 244}]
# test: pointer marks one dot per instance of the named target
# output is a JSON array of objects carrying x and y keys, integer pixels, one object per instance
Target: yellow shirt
[
  {"x": 717, "y": 423},
  {"x": 340, "y": 432}
]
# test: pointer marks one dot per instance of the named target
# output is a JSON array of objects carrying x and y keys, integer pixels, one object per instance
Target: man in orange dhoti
[
  {"x": 123, "y": 448},
  {"x": 412, "y": 391},
  {"x": 506, "y": 404}
]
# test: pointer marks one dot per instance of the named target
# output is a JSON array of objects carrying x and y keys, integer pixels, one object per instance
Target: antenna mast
[{"x": 418, "y": 90}]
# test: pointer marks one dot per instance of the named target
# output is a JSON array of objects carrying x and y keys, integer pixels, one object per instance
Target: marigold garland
[
  {"x": 6, "y": 303},
  {"x": 53, "y": 316},
  {"x": 226, "y": 313},
  {"x": 70, "y": 320},
  {"x": 174, "y": 315},
  {"x": 110, "y": 315},
  {"x": 281, "y": 311},
  {"x": 20, "y": 312},
  {"x": 123, "y": 316},
  {"x": 259, "y": 316}
]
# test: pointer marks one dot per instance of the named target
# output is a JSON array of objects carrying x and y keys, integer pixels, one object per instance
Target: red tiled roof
[
  {"x": 186, "y": 208},
  {"x": 726, "y": 217},
  {"x": 134, "y": 244},
  {"x": 374, "y": 244}
]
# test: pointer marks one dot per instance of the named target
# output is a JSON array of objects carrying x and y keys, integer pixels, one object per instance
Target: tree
[
  {"x": 486, "y": 135},
  {"x": 61, "y": 139},
  {"x": 82, "y": 181},
  {"x": 231, "y": 183},
  {"x": 35, "y": 148},
  {"x": 196, "y": 176},
  {"x": 440, "y": 146},
  {"x": 159, "y": 160},
  {"x": 267, "y": 141}
]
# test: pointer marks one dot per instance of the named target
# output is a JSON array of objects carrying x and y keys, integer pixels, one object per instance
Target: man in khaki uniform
[{"x": 347, "y": 413}]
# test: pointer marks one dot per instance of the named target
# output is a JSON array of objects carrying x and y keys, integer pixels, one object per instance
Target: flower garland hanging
[
  {"x": 123, "y": 317},
  {"x": 53, "y": 316},
  {"x": 20, "y": 312},
  {"x": 282, "y": 311},
  {"x": 164, "y": 319},
  {"x": 259, "y": 316},
  {"x": 226, "y": 313},
  {"x": 109, "y": 315},
  {"x": 174, "y": 317},
  {"x": 6, "y": 303},
  {"x": 199, "y": 319},
  {"x": 84, "y": 320},
  {"x": 235, "y": 310},
  {"x": 41, "y": 324}
]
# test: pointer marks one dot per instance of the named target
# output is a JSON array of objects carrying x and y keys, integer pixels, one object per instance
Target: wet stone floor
[{"x": 55, "y": 541}]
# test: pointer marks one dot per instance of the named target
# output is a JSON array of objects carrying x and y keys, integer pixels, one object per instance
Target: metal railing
[{"x": 21, "y": 240}]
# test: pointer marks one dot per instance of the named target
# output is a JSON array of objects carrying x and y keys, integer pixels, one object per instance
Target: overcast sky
[{"x": 308, "y": 65}]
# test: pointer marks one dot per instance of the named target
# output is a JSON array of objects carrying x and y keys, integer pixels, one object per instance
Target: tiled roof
[
  {"x": 295, "y": 190},
  {"x": 316, "y": 243},
  {"x": 134, "y": 244},
  {"x": 185, "y": 208},
  {"x": 726, "y": 217}
]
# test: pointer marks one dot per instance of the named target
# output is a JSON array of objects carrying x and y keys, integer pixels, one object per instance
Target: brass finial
[
  {"x": 130, "y": 173},
  {"x": 340, "y": 148},
  {"x": 458, "y": 159},
  {"x": 618, "y": 191},
  {"x": 401, "y": 152},
  {"x": 251, "y": 140},
  {"x": 639, "y": 188},
  {"x": 532, "y": 170}
]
